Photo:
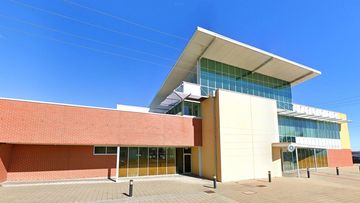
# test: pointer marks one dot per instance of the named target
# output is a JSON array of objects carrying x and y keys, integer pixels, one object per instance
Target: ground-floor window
[
  {"x": 143, "y": 161},
  {"x": 307, "y": 158},
  {"x": 102, "y": 150}
]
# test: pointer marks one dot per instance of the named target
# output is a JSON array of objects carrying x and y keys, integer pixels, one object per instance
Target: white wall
[{"x": 248, "y": 127}]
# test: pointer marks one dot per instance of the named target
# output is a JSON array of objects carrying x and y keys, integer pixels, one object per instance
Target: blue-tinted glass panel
[
  {"x": 216, "y": 75},
  {"x": 290, "y": 127}
]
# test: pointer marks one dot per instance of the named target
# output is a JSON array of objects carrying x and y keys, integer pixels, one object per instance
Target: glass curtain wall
[
  {"x": 142, "y": 161},
  {"x": 290, "y": 127},
  {"x": 214, "y": 75},
  {"x": 307, "y": 159}
]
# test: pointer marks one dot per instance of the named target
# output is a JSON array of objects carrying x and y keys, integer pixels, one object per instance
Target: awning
[
  {"x": 290, "y": 113},
  {"x": 185, "y": 91}
]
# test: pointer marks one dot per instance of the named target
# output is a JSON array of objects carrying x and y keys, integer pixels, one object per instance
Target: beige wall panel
[{"x": 248, "y": 127}]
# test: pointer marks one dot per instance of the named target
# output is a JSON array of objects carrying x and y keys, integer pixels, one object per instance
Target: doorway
[{"x": 183, "y": 160}]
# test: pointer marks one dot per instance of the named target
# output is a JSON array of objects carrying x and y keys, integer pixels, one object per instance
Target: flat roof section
[{"x": 208, "y": 44}]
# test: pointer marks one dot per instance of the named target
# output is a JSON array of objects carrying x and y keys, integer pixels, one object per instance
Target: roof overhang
[
  {"x": 295, "y": 114},
  {"x": 207, "y": 44}
]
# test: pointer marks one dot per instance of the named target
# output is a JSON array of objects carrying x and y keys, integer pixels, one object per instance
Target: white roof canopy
[{"x": 207, "y": 44}]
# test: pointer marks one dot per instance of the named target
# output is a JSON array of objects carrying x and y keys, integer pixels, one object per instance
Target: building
[{"x": 225, "y": 110}]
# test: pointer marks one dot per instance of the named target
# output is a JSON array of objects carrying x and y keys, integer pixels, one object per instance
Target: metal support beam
[
  {"x": 301, "y": 77},
  {"x": 262, "y": 65},
  {"x": 207, "y": 47}
]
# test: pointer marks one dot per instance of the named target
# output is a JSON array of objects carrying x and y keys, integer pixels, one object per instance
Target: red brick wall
[
  {"x": 46, "y": 162},
  {"x": 5, "y": 155},
  {"x": 339, "y": 157},
  {"x": 39, "y": 123}
]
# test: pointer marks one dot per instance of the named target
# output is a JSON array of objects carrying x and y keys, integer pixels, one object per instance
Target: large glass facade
[
  {"x": 142, "y": 161},
  {"x": 290, "y": 127},
  {"x": 308, "y": 158},
  {"x": 214, "y": 75}
]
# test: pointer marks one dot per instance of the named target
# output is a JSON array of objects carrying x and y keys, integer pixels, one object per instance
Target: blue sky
[{"x": 61, "y": 52}]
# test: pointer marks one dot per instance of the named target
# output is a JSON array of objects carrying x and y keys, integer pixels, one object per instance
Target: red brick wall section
[
  {"x": 39, "y": 123},
  {"x": 46, "y": 162},
  {"x": 5, "y": 155},
  {"x": 339, "y": 157}
]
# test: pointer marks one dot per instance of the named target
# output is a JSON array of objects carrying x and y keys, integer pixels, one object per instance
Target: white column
[
  {"x": 117, "y": 163},
  {"x": 297, "y": 162},
  {"x": 200, "y": 161}
]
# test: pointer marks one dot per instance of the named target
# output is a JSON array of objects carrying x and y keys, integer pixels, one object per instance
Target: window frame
[{"x": 106, "y": 151}]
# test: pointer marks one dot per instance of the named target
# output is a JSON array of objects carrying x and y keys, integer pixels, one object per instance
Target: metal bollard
[
  {"x": 214, "y": 182},
  {"x": 337, "y": 171},
  {"x": 269, "y": 176},
  {"x": 308, "y": 172},
  {"x": 131, "y": 184}
]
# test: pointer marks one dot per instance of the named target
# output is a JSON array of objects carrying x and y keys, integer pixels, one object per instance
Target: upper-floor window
[
  {"x": 189, "y": 108},
  {"x": 215, "y": 75}
]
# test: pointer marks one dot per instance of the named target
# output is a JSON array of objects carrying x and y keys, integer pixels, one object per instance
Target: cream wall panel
[{"x": 248, "y": 126}]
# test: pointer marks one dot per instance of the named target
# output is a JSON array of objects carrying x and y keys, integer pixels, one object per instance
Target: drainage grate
[
  {"x": 209, "y": 191},
  {"x": 261, "y": 186}
]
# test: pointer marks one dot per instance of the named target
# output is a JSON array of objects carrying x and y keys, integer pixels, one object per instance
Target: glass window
[
  {"x": 187, "y": 150},
  {"x": 161, "y": 161},
  {"x": 170, "y": 154},
  {"x": 291, "y": 127},
  {"x": 100, "y": 150},
  {"x": 153, "y": 161},
  {"x": 111, "y": 150},
  {"x": 133, "y": 161},
  {"x": 123, "y": 162},
  {"x": 143, "y": 161},
  {"x": 240, "y": 80}
]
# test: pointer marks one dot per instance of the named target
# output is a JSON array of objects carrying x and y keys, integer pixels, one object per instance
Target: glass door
[
  {"x": 288, "y": 161},
  {"x": 187, "y": 160}
]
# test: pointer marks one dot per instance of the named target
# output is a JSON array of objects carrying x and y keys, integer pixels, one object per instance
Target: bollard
[
  {"x": 308, "y": 172},
  {"x": 131, "y": 184},
  {"x": 269, "y": 176},
  {"x": 337, "y": 171},
  {"x": 214, "y": 182}
]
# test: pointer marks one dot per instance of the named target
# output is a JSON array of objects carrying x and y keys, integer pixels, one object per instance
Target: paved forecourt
[{"x": 323, "y": 186}]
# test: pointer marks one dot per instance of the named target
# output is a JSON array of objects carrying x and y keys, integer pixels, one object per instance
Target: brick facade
[
  {"x": 48, "y": 162},
  {"x": 5, "y": 156},
  {"x": 339, "y": 157},
  {"x": 40, "y": 123}
]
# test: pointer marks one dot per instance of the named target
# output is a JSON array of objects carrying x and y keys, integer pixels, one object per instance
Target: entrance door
[
  {"x": 187, "y": 163},
  {"x": 288, "y": 161},
  {"x": 187, "y": 160}
]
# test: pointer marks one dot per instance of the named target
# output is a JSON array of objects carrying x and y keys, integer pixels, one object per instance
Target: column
[
  {"x": 297, "y": 162},
  {"x": 117, "y": 163},
  {"x": 200, "y": 161}
]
